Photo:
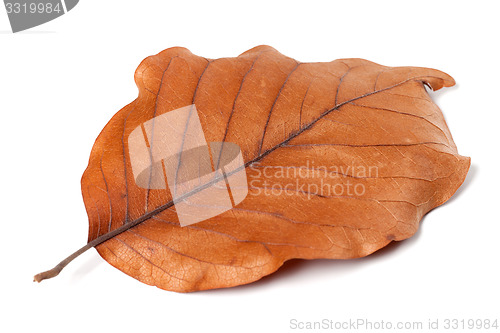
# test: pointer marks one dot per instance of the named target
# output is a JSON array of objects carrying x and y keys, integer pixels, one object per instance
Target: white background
[{"x": 62, "y": 81}]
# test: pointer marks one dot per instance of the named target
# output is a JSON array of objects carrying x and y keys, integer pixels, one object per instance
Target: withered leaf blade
[{"x": 341, "y": 159}]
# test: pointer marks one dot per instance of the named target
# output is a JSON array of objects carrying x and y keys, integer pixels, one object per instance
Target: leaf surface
[{"x": 304, "y": 130}]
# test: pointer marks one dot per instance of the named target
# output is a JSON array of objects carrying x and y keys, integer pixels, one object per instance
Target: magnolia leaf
[{"x": 221, "y": 170}]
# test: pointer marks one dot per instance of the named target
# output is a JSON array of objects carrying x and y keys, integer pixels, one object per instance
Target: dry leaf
[{"x": 341, "y": 159}]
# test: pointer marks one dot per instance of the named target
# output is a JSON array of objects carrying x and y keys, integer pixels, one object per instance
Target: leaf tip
[{"x": 438, "y": 79}]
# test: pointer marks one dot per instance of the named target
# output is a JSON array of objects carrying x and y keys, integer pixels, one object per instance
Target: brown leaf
[{"x": 341, "y": 158}]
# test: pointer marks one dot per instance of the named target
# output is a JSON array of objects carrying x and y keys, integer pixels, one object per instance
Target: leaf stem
[{"x": 101, "y": 239}]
